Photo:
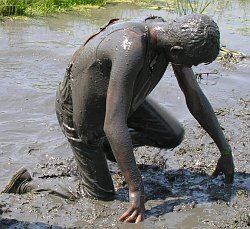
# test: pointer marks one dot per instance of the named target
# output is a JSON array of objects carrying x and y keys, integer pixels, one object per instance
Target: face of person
[{"x": 180, "y": 58}]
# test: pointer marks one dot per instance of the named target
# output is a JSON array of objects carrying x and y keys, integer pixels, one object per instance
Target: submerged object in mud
[{"x": 228, "y": 56}]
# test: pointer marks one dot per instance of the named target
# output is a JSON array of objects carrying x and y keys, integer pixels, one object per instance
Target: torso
[{"x": 91, "y": 70}]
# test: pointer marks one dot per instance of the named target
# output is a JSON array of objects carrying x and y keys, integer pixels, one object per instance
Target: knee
[
  {"x": 104, "y": 195},
  {"x": 178, "y": 137},
  {"x": 174, "y": 140}
]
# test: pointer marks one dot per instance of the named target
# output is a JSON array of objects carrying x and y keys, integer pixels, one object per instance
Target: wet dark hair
[{"x": 199, "y": 35}]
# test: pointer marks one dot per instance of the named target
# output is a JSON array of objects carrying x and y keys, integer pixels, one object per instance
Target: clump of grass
[
  {"x": 40, "y": 7},
  {"x": 228, "y": 56},
  {"x": 184, "y": 7},
  {"x": 13, "y": 7}
]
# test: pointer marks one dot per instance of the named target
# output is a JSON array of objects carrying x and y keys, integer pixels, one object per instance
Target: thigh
[
  {"x": 93, "y": 168},
  {"x": 154, "y": 121},
  {"x": 91, "y": 161}
]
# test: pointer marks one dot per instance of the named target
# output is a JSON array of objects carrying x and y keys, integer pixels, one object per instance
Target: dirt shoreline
[{"x": 177, "y": 184}]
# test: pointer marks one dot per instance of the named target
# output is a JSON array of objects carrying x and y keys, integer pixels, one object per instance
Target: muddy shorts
[{"x": 91, "y": 161}]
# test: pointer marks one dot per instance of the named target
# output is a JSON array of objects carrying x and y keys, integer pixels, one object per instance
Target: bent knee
[
  {"x": 174, "y": 140},
  {"x": 178, "y": 137}
]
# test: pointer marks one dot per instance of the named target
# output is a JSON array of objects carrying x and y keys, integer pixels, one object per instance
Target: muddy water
[{"x": 180, "y": 193}]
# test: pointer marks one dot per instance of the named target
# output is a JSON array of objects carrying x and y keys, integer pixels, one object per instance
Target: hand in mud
[
  {"x": 225, "y": 165},
  {"x": 137, "y": 209}
]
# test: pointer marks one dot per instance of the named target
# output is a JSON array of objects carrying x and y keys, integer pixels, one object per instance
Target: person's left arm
[{"x": 203, "y": 112}]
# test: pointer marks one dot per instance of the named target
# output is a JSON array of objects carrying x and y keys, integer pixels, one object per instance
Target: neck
[
  {"x": 153, "y": 37},
  {"x": 159, "y": 35}
]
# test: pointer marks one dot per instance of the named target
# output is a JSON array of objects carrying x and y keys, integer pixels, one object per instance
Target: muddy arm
[
  {"x": 125, "y": 68},
  {"x": 118, "y": 101},
  {"x": 203, "y": 112}
]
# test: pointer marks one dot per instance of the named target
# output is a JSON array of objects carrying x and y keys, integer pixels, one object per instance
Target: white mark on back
[{"x": 126, "y": 44}]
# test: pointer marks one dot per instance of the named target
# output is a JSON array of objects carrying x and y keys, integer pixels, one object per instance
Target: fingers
[
  {"x": 131, "y": 216},
  {"x": 140, "y": 218},
  {"x": 229, "y": 178},
  {"x": 126, "y": 214},
  {"x": 216, "y": 172}
]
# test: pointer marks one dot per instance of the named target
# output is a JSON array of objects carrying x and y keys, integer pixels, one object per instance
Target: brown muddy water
[{"x": 179, "y": 191}]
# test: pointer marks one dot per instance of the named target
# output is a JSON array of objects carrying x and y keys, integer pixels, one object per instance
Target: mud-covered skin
[
  {"x": 200, "y": 107},
  {"x": 110, "y": 78}
]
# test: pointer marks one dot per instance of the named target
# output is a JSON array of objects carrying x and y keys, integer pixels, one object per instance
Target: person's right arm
[{"x": 126, "y": 64}]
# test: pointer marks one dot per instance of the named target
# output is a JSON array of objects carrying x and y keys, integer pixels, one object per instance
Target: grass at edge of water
[
  {"x": 12, "y": 8},
  {"x": 45, "y": 7}
]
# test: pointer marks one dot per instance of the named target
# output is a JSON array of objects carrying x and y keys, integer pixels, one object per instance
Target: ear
[
  {"x": 175, "y": 53},
  {"x": 176, "y": 50}
]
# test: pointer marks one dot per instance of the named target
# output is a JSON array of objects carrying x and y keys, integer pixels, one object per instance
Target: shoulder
[
  {"x": 124, "y": 38},
  {"x": 155, "y": 19},
  {"x": 132, "y": 28}
]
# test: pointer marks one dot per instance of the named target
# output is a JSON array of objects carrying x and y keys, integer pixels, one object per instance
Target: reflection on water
[{"x": 36, "y": 51}]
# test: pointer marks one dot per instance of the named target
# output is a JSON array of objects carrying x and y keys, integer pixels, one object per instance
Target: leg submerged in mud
[
  {"x": 22, "y": 182},
  {"x": 18, "y": 182}
]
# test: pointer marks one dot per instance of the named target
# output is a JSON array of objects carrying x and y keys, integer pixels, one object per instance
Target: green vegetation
[
  {"x": 228, "y": 56},
  {"x": 40, "y": 7},
  {"x": 44, "y": 7},
  {"x": 185, "y": 7}
]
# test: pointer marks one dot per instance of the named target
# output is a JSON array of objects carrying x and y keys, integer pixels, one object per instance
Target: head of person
[{"x": 192, "y": 39}]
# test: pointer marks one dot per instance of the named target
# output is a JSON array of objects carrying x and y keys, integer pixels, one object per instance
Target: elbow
[
  {"x": 110, "y": 129},
  {"x": 195, "y": 109},
  {"x": 115, "y": 130},
  {"x": 199, "y": 107},
  {"x": 107, "y": 129},
  {"x": 194, "y": 104}
]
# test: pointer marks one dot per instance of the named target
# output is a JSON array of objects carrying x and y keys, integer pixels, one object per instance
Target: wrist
[
  {"x": 135, "y": 182},
  {"x": 136, "y": 195},
  {"x": 137, "y": 188},
  {"x": 227, "y": 152}
]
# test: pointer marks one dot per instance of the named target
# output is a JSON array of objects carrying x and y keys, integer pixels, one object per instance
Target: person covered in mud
[{"x": 104, "y": 109}]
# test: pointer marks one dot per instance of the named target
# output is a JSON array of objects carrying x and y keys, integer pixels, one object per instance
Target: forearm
[
  {"x": 203, "y": 112},
  {"x": 121, "y": 145},
  {"x": 200, "y": 107}
]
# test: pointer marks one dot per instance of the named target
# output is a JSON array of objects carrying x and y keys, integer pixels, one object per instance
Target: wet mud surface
[{"x": 179, "y": 190}]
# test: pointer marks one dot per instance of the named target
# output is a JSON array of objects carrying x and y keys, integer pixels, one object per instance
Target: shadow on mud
[
  {"x": 182, "y": 189},
  {"x": 13, "y": 224},
  {"x": 167, "y": 191}
]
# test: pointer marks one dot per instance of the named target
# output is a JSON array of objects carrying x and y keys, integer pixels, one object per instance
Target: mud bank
[{"x": 179, "y": 190}]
